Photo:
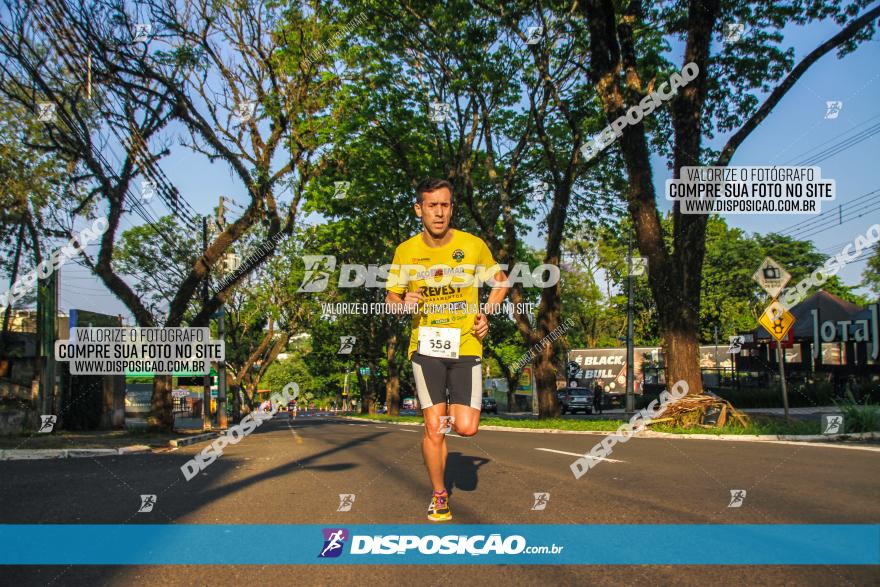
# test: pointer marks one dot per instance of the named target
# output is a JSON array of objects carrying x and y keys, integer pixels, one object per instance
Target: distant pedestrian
[{"x": 597, "y": 398}]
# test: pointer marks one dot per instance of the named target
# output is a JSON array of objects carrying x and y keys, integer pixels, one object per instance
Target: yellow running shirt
[{"x": 448, "y": 278}]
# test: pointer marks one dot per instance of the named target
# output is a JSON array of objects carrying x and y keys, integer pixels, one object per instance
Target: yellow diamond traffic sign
[{"x": 777, "y": 320}]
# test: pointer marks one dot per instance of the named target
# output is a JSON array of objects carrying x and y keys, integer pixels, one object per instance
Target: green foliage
[
  {"x": 864, "y": 417},
  {"x": 871, "y": 274},
  {"x": 157, "y": 265}
]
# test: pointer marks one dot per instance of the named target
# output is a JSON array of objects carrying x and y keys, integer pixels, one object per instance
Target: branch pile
[{"x": 704, "y": 411}]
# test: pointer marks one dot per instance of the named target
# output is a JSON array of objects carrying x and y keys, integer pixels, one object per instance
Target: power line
[
  {"x": 136, "y": 205},
  {"x": 828, "y": 219},
  {"x": 150, "y": 169},
  {"x": 809, "y": 158}
]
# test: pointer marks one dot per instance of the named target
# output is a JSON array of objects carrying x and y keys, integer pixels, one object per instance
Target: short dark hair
[{"x": 430, "y": 185}]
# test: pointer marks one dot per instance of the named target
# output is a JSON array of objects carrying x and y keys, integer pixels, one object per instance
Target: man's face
[{"x": 436, "y": 211}]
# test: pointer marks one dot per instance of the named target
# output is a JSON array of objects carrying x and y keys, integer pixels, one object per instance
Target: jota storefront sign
[{"x": 866, "y": 330}]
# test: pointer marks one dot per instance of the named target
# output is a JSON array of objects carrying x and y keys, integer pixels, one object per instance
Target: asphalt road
[{"x": 285, "y": 474}]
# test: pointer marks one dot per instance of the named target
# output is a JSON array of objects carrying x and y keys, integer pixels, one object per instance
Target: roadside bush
[{"x": 857, "y": 417}]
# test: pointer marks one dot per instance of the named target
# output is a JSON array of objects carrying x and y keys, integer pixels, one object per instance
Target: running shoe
[{"x": 439, "y": 510}]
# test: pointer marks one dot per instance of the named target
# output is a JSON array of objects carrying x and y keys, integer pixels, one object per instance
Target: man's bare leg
[
  {"x": 434, "y": 445},
  {"x": 467, "y": 419}
]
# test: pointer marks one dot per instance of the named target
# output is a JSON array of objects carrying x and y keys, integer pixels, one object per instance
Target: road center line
[{"x": 575, "y": 454}]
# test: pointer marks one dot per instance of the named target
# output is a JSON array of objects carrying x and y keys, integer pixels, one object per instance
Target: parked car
[
  {"x": 574, "y": 399},
  {"x": 489, "y": 405}
]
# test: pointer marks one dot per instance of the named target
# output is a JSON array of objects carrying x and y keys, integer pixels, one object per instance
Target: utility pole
[
  {"x": 221, "y": 374},
  {"x": 630, "y": 370},
  {"x": 716, "y": 360},
  {"x": 780, "y": 356},
  {"x": 206, "y": 382},
  {"x": 345, "y": 397},
  {"x": 222, "y": 422},
  {"x": 47, "y": 311}
]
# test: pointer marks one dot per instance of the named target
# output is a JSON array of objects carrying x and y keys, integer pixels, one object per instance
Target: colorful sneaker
[{"x": 439, "y": 510}]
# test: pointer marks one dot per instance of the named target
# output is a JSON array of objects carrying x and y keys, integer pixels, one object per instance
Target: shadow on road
[{"x": 461, "y": 471}]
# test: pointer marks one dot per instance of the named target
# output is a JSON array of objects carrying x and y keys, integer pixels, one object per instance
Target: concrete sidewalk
[{"x": 794, "y": 411}]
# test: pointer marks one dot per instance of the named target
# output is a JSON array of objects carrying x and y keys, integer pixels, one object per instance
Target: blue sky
[{"x": 797, "y": 126}]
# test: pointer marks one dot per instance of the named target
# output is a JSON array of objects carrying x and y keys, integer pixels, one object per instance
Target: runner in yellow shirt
[{"x": 436, "y": 275}]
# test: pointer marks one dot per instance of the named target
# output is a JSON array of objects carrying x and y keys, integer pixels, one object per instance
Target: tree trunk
[
  {"x": 392, "y": 383},
  {"x": 236, "y": 403},
  {"x": 681, "y": 348},
  {"x": 161, "y": 406},
  {"x": 12, "y": 278},
  {"x": 512, "y": 381},
  {"x": 545, "y": 383}
]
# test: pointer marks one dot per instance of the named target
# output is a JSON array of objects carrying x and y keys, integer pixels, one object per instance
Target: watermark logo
[
  {"x": 446, "y": 423},
  {"x": 538, "y": 191},
  {"x": 147, "y": 503},
  {"x": 236, "y": 433},
  {"x": 636, "y": 424},
  {"x": 58, "y": 258},
  {"x": 346, "y": 501},
  {"x": 832, "y": 109},
  {"x": 832, "y": 424},
  {"x": 47, "y": 423},
  {"x": 534, "y": 34},
  {"x": 733, "y": 31},
  {"x": 736, "y": 343},
  {"x": 323, "y": 48},
  {"x": 439, "y": 111},
  {"x": 317, "y": 275},
  {"x": 793, "y": 295},
  {"x": 318, "y": 269},
  {"x": 634, "y": 115},
  {"x": 244, "y": 112},
  {"x": 148, "y": 190},
  {"x": 737, "y": 497},
  {"x": 449, "y": 544},
  {"x": 264, "y": 249},
  {"x": 542, "y": 344},
  {"x": 639, "y": 266},
  {"x": 590, "y": 148},
  {"x": 541, "y": 501},
  {"x": 346, "y": 345},
  {"x": 334, "y": 540},
  {"x": 142, "y": 30},
  {"x": 340, "y": 189},
  {"x": 46, "y": 112}
]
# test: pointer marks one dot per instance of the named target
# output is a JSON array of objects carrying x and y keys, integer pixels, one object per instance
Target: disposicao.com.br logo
[
  {"x": 320, "y": 268},
  {"x": 455, "y": 544}
]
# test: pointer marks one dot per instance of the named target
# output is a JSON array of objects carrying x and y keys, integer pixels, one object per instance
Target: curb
[
  {"x": 501, "y": 428},
  {"x": 768, "y": 437},
  {"x": 191, "y": 439},
  {"x": 651, "y": 434},
  {"x": 25, "y": 454}
]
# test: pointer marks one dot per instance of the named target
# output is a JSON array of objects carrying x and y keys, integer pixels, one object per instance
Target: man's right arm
[
  {"x": 404, "y": 304},
  {"x": 399, "y": 299}
]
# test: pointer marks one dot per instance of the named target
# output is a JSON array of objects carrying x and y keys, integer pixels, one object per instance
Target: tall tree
[
  {"x": 871, "y": 275},
  {"x": 626, "y": 62},
  {"x": 262, "y": 119}
]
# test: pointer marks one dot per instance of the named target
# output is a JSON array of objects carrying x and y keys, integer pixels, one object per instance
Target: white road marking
[
  {"x": 405, "y": 430},
  {"x": 381, "y": 426},
  {"x": 575, "y": 454}
]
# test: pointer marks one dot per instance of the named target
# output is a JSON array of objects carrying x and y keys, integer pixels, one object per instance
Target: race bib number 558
[{"x": 439, "y": 342}]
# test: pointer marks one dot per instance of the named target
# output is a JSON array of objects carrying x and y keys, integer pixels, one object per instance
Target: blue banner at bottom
[{"x": 626, "y": 544}]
